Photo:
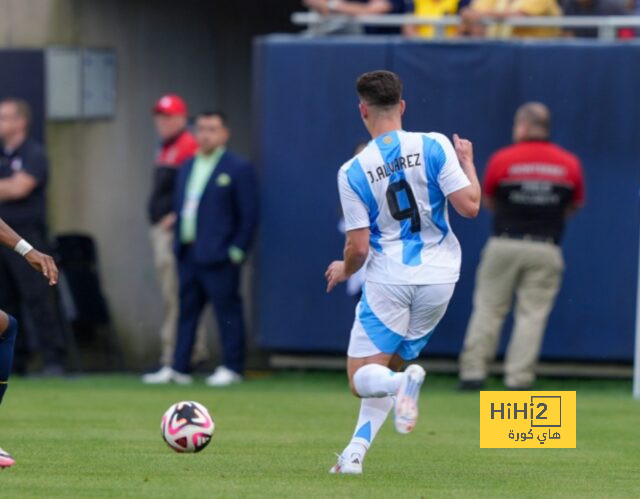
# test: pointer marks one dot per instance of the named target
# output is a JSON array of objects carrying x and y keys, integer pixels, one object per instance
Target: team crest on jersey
[{"x": 388, "y": 139}]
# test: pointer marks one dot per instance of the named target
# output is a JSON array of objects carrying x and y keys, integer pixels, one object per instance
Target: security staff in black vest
[{"x": 23, "y": 293}]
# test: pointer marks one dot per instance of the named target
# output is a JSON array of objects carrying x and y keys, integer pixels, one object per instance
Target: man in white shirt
[{"x": 394, "y": 198}]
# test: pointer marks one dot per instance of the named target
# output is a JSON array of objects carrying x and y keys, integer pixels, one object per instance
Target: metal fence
[{"x": 319, "y": 25}]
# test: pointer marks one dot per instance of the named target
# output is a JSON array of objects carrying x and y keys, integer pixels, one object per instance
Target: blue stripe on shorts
[{"x": 386, "y": 340}]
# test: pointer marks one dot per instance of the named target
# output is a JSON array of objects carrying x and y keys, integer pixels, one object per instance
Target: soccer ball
[{"x": 187, "y": 427}]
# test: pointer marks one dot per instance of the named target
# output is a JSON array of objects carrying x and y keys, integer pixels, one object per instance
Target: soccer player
[
  {"x": 394, "y": 197},
  {"x": 8, "y": 325}
]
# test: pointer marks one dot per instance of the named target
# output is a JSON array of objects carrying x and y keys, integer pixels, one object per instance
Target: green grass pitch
[{"x": 275, "y": 437}]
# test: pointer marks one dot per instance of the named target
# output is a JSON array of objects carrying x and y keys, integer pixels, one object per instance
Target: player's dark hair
[
  {"x": 380, "y": 88},
  {"x": 214, "y": 114},
  {"x": 22, "y": 106}
]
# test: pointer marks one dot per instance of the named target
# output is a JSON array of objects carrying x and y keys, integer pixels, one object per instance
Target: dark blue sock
[{"x": 7, "y": 342}]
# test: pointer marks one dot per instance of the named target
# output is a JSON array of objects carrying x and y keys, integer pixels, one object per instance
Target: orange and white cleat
[
  {"x": 6, "y": 461},
  {"x": 406, "y": 406}
]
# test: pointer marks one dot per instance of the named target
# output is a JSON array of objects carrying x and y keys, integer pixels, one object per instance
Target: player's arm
[
  {"x": 466, "y": 201},
  {"x": 18, "y": 186},
  {"x": 39, "y": 261},
  {"x": 356, "y": 250}
]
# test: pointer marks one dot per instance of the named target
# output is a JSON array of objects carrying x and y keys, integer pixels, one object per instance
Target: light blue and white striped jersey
[{"x": 398, "y": 187}]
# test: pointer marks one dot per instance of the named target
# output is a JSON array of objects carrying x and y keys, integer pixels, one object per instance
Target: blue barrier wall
[{"x": 308, "y": 124}]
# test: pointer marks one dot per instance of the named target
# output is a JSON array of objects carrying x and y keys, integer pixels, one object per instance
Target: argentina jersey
[{"x": 398, "y": 187}]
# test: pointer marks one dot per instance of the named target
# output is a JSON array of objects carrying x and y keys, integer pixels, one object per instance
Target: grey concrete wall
[
  {"x": 105, "y": 167},
  {"x": 101, "y": 170}
]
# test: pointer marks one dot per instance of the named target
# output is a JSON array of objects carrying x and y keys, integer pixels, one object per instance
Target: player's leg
[
  {"x": 428, "y": 306},
  {"x": 373, "y": 374},
  {"x": 10, "y": 304},
  {"x": 535, "y": 297},
  {"x": 8, "y": 330},
  {"x": 381, "y": 318},
  {"x": 495, "y": 281},
  {"x": 380, "y": 326}
]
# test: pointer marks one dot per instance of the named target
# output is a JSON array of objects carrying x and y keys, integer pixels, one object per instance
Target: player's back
[{"x": 397, "y": 186}]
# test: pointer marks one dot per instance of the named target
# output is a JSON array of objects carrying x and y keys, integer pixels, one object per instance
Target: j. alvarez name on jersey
[
  {"x": 398, "y": 164},
  {"x": 397, "y": 186}
]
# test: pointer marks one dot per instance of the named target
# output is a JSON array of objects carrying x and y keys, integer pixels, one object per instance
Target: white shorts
[{"x": 400, "y": 319}]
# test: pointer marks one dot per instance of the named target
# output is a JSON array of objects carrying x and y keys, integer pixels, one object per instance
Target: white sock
[
  {"x": 375, "y": 380},
  {"x": 373, "y": 412}
]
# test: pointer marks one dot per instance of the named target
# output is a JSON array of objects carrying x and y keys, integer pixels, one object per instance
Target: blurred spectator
[
  {"x": 177, "y": 146},
  {"x": 436, "y": 9},
  {"x": 531, "y": 187},
  {"x": 359, "y": 8},
  {"x": 216, "y": 202},
  {"x": 594, "y": 8},
  {"x": 480, "y": 10},
  {"x": 24, "y": 172}
]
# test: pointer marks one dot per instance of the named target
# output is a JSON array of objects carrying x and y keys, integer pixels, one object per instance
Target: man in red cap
[{"x": 177, "y": 146}]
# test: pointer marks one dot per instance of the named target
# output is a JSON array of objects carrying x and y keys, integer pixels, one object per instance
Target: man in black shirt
[{"x": 23, "y": 179}]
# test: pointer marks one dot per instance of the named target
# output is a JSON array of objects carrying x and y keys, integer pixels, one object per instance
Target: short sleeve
[
  {"x": 451, "y": 177},
  {"x": 355, "y": 212},
  {"x": 36, "y": 164}
]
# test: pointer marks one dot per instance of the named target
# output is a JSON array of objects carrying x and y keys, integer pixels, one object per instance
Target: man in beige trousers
[
  {"x": 531, "y": 187},
  {"x": 177, "y": 146}
]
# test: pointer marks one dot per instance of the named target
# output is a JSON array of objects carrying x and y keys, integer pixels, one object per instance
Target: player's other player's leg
[
  {"x": 373, "y": 380},
  {"x": 428, "y": 306},
  {"x": 372, "y": 415},
  {"x": 376, "y": 381},
  {"x": 372, "y": 365},
  {"x": 8, "y": 330},
  {"x": 377, "y": 348}
]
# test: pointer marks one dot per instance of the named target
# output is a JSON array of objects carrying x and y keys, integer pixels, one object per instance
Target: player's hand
[
  {"x": 44, "y": 264},
  {"x": 464, "y": 150},
  {"x": 335, "y": 275}
]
